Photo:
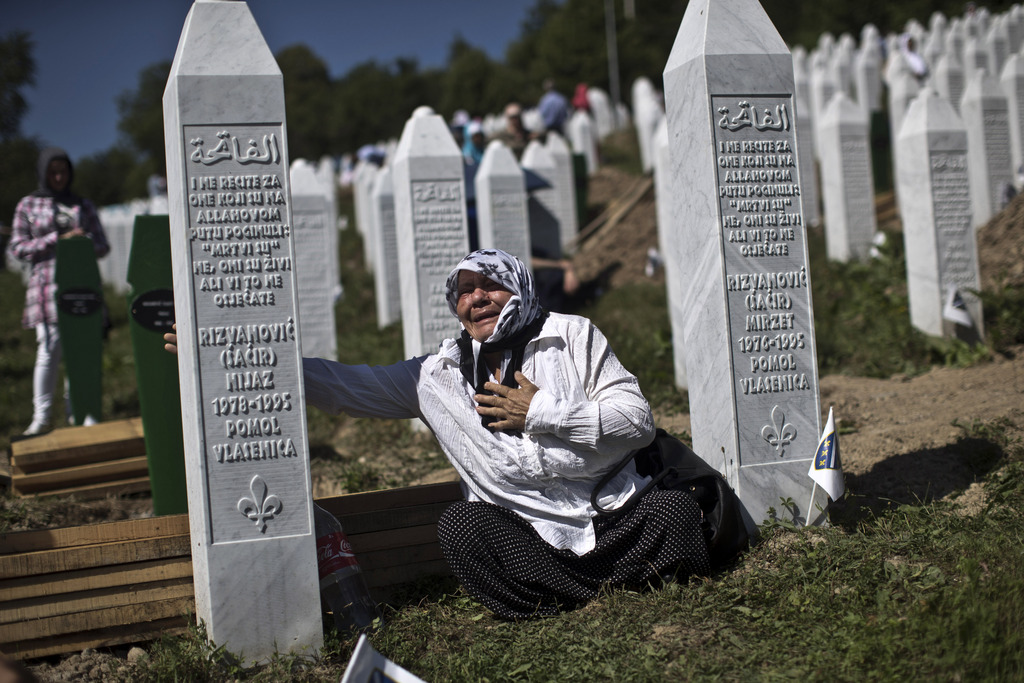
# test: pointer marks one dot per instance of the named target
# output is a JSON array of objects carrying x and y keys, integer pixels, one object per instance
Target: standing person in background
[
  {"x": 514, "y": 135},
  {"x": 912, "y": 58},
  {"x": 50, "y": 213},
  {"x": 580, "y": 102},
  {"x": 554, "y": 108},
  {"x": 474, "y": 145}
]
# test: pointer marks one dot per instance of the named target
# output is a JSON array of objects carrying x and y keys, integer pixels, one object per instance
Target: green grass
[{"x": 635, "y": 320}]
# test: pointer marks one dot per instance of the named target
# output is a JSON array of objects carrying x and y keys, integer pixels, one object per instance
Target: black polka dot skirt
[{"x": 502, "y": 561}]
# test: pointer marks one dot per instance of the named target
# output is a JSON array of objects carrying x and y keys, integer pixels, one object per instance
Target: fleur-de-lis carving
[
  {"x": 776, "y": 435},
  {"x": 260, "y": 507}
]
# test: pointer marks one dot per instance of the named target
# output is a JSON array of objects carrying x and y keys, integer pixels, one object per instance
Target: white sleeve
[
  {"x": 361, "y": 391},
  {"x": 614, "y": 418}
]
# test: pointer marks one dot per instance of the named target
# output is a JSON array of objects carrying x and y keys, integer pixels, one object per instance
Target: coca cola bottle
[{"x": 343, "y": 588}]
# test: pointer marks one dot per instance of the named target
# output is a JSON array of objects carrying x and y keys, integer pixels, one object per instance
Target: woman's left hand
[{"x": 509, "y": 406}]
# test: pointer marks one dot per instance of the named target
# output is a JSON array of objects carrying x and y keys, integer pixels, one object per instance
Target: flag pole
[{"x": 810, "y": 503}]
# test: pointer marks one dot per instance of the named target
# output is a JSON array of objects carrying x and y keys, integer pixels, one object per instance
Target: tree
[
  {"x": 469, "y": 81},
  {"x": 18, "y": 155},
  {"x": 374, "y": 101},
  {"x": 17, "y": 70},
  {"x": 142, "y": 117},
  {"x": 113, "y": 176},
  {"x": 308, "y": 102}
]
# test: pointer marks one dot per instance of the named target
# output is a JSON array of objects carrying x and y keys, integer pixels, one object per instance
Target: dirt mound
[
  {"x": 1001, "y": 247},
  {"x": 615, "y": 250}
]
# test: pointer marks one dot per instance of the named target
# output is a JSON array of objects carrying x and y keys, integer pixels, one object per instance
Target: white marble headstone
[
  {"x": 867, "y": 69},
  {"x": 432, "y": 229},
  {"x": 749, "y": 331},
  {"x": 582, "y": 135},
  {"x": 543, "y": 203},
  {"x": 956, "y": 37},
  {"x": 1012, "y": 82},
  {"x": 975, "y": 55},
  {"x": 822, "y": 88},
  {"x": 564, "y": 180},
  {"x": 903, "y": 87},
  {"x": 501, "y": 208},
  {"x": 841, "y": 65},
  {"x": 243, "y": 413},
  {"x": 985, "y": 113},
  {"x": 118, "y": 222},
  {"x": 358, "y": 171},
  {"x": 1015, "y": 28},
  {"x": 932, "y": 50},
  {"x": 316, "y": 263},
  {"x": 668, "y": 237},
  {"x": 386, "y": 284},
  {"x": 935, "y": 204},
  {"x": 997, "y": 43},
  {"x": 809, "y": 189},
  {"x": 328, "y": 179},
  {"x": 802, "y": 79},
  {"x": 604, "y": 115},
  {"x": 948, "y": 79},
  {"x": 846, "y": 182},
  {"x": 364, "y": 180},
  {"x": 646, "y": 113},
  {"x": 623, "y": 119}
]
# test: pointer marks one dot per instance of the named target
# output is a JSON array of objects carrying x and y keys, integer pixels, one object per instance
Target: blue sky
[{"x": 88, "y": 52}]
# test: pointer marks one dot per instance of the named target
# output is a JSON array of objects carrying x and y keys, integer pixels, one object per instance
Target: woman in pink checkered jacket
[{"x": 50, "y": 213}]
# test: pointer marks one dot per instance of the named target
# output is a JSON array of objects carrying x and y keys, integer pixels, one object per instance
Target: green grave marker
[
  {"x": 80, "y": 322},
  {"x": 150, "y": 314}
]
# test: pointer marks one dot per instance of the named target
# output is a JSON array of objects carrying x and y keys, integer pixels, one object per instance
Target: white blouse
[{"x": 586, "y": 417}]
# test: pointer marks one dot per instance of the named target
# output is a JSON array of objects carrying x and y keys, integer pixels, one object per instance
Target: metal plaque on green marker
[
  {"x": 150, "y": 314},
  {"x": 80, "y": 321}
]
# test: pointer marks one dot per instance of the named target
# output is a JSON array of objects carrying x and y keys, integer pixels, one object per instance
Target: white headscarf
[
  {"x": 512, "y": 274},
  {"x": 519, "y": 321}
]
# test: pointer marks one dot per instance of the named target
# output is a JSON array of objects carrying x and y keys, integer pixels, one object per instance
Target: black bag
[{"x": 672, "y": 465}]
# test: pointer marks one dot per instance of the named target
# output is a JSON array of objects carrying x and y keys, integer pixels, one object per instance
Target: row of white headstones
[{"x": 732, "y": 191}]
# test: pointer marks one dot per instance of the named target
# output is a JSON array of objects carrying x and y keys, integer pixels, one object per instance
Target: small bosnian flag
[
  {"x": 826, "y": 469},
  {"x": 954, "y": 309}
]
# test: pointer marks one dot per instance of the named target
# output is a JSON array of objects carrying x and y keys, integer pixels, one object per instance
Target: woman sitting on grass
[{"x": 531, "y": 409}]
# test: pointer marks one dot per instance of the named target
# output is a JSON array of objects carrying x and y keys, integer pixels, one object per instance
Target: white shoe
[
  {"x": 89, "y": 421},
  {"x": 35, "y": 428}
]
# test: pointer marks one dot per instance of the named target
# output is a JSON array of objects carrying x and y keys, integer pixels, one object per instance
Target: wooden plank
[
  {"x": 390, "y": 539},
  {"x": 371, "y": 501},
  {"x": 411, "y": 555},
  {"x": 416, "y": 515},
  {"x": 101, "y": 490},
  {"x": 74, "y": 477},
  {"x": 104, "y": 554},
  {"x": 31, "y": 609},
  {"x": 80, "y": 445},
  {"x": 393, "y": 576},
  {"x": 107, "y": 637},
  {"x": 611, "y": 216},
  {"x": 163, "y": 569},
  {"x": 88, "y": 534},
  {"x": 96, "y": 619}
]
